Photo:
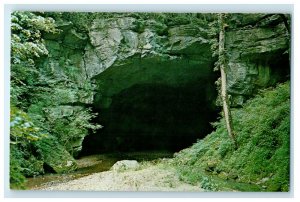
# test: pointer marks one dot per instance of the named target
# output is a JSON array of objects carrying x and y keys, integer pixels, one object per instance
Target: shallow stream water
[{"x": 93, "y": 164}]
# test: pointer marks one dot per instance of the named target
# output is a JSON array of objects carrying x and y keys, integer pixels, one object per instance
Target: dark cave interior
[
  {"x": 150, "y": 105},
  {"x": 168, "y": 112}
]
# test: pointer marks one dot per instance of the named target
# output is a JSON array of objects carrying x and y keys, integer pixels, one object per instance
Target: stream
[{"x": 88, "y": 165}]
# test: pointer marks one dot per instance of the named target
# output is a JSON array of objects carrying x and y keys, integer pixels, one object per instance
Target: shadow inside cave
[{"x": 154, "y": 117}]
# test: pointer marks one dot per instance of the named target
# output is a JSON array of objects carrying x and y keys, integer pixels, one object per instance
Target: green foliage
[
  {"x": 81, "y": 20},
  {"x": 26, "y": 41},
  {"x": 22, "y": 130},
  {"x": 224, "y": 148},
  {"x": 46, "y": 102},
  {"x": 22, "y": 161},
  {"x": 54, "y": 111},
  {"x": 16, "y": 178},
  {"x": 213, "y": 34},
  {"x": 208, "y": 185},
  {"x": 43, "y": 90},
  {"x": 263, "y": 134},
  {"x": 197, "y": 178},
  {"x": 26, "y": 46}
]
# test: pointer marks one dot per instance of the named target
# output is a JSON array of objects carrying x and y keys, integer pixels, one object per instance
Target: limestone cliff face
[
  {"x": 72, "y": 89},
  {"x": 256, "y": 45},
  {"x": 257, "y": 48},
  {"x": 119, "y": 52},
  {"x": 117, "y": 41}
]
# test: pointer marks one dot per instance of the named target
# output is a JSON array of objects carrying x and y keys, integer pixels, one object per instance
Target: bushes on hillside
[{"x": 263, "y": 134}]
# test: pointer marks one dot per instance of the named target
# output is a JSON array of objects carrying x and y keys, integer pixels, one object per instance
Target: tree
[
  {"x": 222, "y": 66},
  {"x": 38, "y": 98},
  {"x": 26, "y": 46}
]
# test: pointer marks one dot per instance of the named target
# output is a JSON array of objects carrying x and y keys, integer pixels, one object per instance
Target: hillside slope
[{"x": 262, "y": 127}]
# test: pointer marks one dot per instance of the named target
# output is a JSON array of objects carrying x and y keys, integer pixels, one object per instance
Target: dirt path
[{"x": 151, "y": 177}]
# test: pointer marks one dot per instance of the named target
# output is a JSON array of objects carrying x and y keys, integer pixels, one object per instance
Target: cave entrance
[{"x": 148, "y": 105}]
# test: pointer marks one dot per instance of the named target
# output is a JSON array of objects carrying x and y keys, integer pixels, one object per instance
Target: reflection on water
[{"x": 93, "y": 164}]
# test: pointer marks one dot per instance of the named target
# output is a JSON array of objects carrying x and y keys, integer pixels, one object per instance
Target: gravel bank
[{"x": 149, "y": 178}]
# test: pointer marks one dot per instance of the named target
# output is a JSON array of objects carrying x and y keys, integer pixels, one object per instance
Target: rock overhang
[{"x": 151, "y": 70}]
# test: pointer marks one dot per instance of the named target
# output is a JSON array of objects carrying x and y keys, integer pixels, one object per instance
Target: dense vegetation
[
  {"x": 35, "y": 94},
  {"x": 262, "y": 127}
]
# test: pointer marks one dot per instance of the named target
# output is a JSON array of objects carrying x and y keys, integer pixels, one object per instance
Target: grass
[{"x": 261, "y": 162}]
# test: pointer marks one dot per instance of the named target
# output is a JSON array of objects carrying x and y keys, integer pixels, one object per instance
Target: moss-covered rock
[
  {"x": 55, "y": 155},
  {"x": 74, "y": 39}
]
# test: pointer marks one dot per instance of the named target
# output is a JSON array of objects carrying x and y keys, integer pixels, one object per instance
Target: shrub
[
  {"x": 22, "y": 161},
  {"x": 208, "y": 185},
  {"x": 263, "y": 133}
]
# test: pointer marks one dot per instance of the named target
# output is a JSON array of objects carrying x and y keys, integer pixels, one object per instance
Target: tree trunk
[{"x": 224, "y": 95}]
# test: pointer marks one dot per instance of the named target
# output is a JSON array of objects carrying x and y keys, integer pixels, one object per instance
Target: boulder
[
  {"x": 123, "y": 165},
  {"x": 55, "y": 156}
]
